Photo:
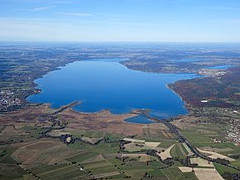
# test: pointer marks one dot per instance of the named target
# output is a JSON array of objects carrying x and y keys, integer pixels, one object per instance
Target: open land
[{"x": 38, "y": 142}]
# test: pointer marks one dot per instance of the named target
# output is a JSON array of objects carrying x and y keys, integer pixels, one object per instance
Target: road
[{"x": 173, "y": 129}]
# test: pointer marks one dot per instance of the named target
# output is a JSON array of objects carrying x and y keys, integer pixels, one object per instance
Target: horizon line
[{"x": 187, "y": 42}]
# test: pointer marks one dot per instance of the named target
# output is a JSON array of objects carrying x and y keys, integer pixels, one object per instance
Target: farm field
[
  {"x": 38, "y": 141},
  {"x": 91, "y": 153}
]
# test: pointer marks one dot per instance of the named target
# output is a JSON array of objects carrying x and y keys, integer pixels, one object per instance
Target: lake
[
  {"x": 139, "y": 120},
  {"x": 107, "y": 84},
  {"x": 223, "y": 67}
]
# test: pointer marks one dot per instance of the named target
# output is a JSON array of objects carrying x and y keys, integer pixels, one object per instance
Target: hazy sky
[{"x": 120, "y": 20}]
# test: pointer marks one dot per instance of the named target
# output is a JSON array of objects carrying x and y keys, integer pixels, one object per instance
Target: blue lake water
[
  {"x": 107, "y": 84},
  {"x": 224, "y": 67},
  {"x": 188, "y": 60},
  {"x": 139, "y": 120}
]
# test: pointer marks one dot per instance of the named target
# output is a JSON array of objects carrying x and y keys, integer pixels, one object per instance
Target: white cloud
[
  {"x": 36, "y": 9},
  {"x": 83, "y": 29},
  {"x": 43, "y": 8},
  {"x": 75, "y": 14}
]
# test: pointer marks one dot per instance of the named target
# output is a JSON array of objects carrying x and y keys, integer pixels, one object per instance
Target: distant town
[{"x": 41, "y": 142}]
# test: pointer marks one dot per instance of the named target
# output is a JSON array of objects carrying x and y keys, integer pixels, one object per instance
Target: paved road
[{"x": 173, "y": 129}]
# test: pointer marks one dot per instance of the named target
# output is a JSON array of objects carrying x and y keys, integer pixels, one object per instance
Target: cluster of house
[
  {"x": 212, "y": 72},
  {"x": 234, "y": 131},
  {"x": 8, "y": 98}
]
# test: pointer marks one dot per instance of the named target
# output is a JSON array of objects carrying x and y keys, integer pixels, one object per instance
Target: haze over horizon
[{"x": 120, "y": 20}]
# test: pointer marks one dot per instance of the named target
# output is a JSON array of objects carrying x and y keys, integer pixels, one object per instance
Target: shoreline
[{"x": 185, "y": 106}]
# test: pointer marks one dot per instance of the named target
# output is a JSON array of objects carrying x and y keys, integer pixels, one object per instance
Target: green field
[
  {"x": 175, "y": 174},
  {"x": 223, "y": 169},
  {"x": 179, "y": 151}
]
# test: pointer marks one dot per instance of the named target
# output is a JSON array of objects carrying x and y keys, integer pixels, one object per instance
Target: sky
[{"x": 120, "y": 20}]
